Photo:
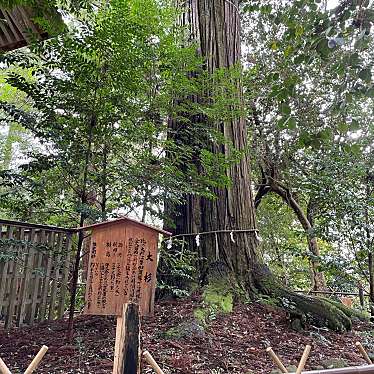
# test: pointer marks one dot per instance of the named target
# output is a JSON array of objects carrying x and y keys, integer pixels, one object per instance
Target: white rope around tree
[{"x": 197, "y": 235}]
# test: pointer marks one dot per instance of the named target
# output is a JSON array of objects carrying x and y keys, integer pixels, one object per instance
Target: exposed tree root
[{"x": 315, "y": 310}]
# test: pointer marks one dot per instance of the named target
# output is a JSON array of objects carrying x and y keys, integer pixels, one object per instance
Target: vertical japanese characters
[{"x": 122, "y": 269}]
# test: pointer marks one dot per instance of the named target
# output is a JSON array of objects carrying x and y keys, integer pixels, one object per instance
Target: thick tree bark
[{"x": 215, "y": 27}]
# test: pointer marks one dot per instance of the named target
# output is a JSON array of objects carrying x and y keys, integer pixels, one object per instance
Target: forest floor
[{"x": 232, "y": 343}]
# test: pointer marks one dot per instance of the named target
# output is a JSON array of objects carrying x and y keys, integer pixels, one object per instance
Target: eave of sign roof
[{"x": 125, "y": 219}]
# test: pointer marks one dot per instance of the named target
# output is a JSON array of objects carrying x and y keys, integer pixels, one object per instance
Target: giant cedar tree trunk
[{"x": 215, "y": 27}]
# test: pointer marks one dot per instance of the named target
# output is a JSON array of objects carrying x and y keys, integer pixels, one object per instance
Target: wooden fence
[{"x": 34, "y": 272}]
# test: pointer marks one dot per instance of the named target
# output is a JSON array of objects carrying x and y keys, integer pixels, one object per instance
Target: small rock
[
  {"x": 291, "y": 369},
  {"x": 297, "y": 325},
  {"x": 334, "y": 363},
  {"x": 187, "y": 329}
]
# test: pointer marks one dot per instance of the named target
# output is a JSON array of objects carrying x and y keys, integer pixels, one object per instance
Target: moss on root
[
  {"x": 315, "y": 310},
  {"x": 218, "y": 297}
]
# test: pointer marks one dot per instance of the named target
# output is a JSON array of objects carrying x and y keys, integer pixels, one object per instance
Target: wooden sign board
[{"x": 122, "y": 267}]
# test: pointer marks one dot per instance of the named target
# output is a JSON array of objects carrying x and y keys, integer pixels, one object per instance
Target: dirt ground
[{"x": 233, "y": 343}]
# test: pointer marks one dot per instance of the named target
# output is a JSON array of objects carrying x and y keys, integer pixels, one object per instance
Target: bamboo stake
[
  {"x": 3, "y": 368},
  {"x": 152, "y": 362},
  {"x": 303, "y": 359},
  {"x": 363, "y": 352},
  {"x": 35, "y": 362},
  {"x": 276, "y": 360}
]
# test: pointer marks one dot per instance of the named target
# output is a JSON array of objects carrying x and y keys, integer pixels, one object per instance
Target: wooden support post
[
  {"x": 118, "y": 344},
  {"x": 363, "y": 352},
  {"x": 303, "y": 359},
  {"x": 3, "y": 368},
  {"x": 35, "y": 362},
  {"x": 152, "y": 362},
  {"x": 127, "y": 347},
  {"x": 276, "y": 360}
]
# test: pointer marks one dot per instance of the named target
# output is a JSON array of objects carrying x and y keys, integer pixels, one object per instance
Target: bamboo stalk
[
  {"x": 152, "y": 362},
  {"x": 303, "y": 359},
  {"x": 3, "y": 368},
  {"x": 363, "y": 352},
  {"x": 276, "y": 360},
  {"x": 35, "y": 362}
]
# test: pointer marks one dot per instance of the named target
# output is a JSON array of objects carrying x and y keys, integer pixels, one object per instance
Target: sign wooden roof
[
  {"x": 124, "y": 220},
  {"x": 17, "y": 28}
]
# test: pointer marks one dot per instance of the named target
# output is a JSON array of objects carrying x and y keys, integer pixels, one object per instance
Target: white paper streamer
[
  {"x": 258, "y": 237},
  {"x": 169, "y": 244},
  {"x": 217, "y": 247},
  {"x": 232, "y": 237},
  {"x": 197, "y": 239}
]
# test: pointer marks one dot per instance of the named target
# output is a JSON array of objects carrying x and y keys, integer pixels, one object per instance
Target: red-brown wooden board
[{"x": 122, "y": 268}]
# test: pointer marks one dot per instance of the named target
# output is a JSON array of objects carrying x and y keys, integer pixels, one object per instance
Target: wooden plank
[
  {"x": 36, "y": 283},
  {"x": 36, "y": 226},
  {"x": 16, "y": 35},
  {"x": 47, "y": 276},
  {"x": 65, "y": 276},
  {"x": 4, "y": 275},
  {"x": 27, "y": 302},
  {"x": 27, "y": 21},
  {"x": 55, "y": 277},
  {"x": 118, "y": 344},
  {"x": 368, "y": 369},
  {"x": 14, "y": 281},
  {"x": 129, "y": 353},
  {"x": 6, "y": 38},
  {"x": 26, "y": 279},
  {"x": 20, "y": 23}
]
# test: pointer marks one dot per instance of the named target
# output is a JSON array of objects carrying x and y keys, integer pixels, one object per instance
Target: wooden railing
[{"x": 34, "y": 272}]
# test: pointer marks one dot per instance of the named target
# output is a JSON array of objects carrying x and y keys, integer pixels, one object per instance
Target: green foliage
[
  {"x": 216, "y": 299},
  {"x": 308, "y": 81},
  {"x": 176, "y": 270},
  {"x": 101, "y": 96},
  {"x": 284, "y": 247}
]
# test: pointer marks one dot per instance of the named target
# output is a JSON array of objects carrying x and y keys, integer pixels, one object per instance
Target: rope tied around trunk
[{"x": 197, "y": 235}]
